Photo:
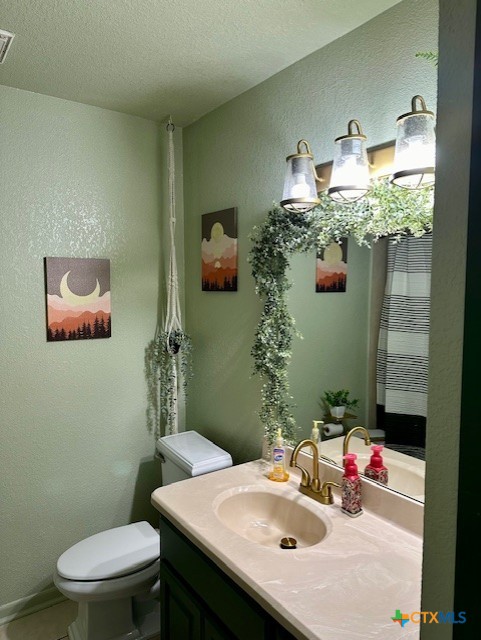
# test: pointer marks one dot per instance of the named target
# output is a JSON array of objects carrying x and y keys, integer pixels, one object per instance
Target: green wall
[
  {"x": 234, "y": 156},
  {"x": 75, "y": 454},
  {"x": 76, "y": 180}
]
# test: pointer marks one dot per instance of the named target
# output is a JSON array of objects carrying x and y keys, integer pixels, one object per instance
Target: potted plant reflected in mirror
[{"x": 338, "y": 402}]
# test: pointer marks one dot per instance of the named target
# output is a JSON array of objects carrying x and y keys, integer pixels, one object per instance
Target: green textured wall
[
  {"x": 75, "y": 454},
  {"x": 234, "y": 156}
]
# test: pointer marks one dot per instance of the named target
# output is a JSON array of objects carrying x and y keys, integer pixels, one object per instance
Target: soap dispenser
[
  {"x": 351, "y": 487},
  {"x": 278, "y": 472},
  {"x": 315, "y": 436},
  {"x": 376, "y": 469}
]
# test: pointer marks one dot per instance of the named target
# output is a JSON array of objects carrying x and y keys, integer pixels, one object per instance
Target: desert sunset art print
[
  {"x": 219, "y": 250},
  {"x": 331, "y": 268},
  {"x": 78, "y": 298}
]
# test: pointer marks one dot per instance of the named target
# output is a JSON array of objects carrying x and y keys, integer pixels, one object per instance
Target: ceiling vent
[{"x": 5, "y": 41}]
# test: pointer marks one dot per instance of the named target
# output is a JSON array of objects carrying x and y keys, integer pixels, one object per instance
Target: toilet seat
[
  {"x": 111, "y": 554},
  {"x": 94, "y": 590}
]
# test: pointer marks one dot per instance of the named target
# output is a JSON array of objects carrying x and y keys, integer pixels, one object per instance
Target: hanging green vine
[
  {"x": 168, "y": 369},
  {"x": 387, "y": 210}
]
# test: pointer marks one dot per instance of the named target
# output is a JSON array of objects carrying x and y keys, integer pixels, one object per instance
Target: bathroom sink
[{"x": 267, "y": 516}]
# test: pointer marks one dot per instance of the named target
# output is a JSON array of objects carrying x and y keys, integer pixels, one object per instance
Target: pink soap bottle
[
  {"x": 351, "y": 487},
  {"x": 376, "y": 469}
]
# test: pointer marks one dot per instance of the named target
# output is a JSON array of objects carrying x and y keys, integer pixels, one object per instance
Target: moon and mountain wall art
[
  {"x": 331, "y": 268},
  {"x": 78, "y": 298},
  {"x": 219, "y": 250}
]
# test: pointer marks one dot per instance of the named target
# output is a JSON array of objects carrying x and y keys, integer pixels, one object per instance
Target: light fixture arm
[
  {"x": 307, "y": 148},
  {"x": 359, "y": 134},
  {"x": 357, "y": 124},
  {"x": 420, "y": 99}
]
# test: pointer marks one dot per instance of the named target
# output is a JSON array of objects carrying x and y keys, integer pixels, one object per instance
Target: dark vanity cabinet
[{"x": 200, "y": 602}]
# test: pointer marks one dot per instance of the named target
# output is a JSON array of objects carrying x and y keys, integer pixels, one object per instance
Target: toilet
[{"x": 114, "y": 574}]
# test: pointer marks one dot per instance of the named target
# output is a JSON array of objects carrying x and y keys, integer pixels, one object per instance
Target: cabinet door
[
  {"x": 277, "y": 632},
  {"x": 214, "y": 630},
  {"x": 218, "y": 596},
  {"x": 283, "y": 634},
  {"x": 181, "y": 617}
]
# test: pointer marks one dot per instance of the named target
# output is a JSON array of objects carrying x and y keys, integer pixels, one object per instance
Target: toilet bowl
[{"x": 114, "y": 574}]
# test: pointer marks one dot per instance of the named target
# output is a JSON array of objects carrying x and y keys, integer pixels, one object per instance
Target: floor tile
[{"x": 48, "y": 624}]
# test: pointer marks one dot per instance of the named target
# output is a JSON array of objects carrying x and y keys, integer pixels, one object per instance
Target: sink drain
[{"x": 288, "y": 543}]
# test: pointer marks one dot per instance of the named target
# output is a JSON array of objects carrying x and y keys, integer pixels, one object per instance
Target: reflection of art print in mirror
[
  {"x": 331, "y": 268},
  {"x": 78, "y": 298},
  {"x": 219, "y": 250}
]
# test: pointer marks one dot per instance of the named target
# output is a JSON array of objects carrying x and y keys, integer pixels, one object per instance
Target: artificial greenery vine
[
  {"x": 168, "y": 369},
  {"x": 386, "y": 211},
  {"x": 430, "y": 56}
]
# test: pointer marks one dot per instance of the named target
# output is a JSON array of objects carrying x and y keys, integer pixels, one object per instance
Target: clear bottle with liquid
[
  {"x": 278, "y": 472},
  {"x": 315, "y": 433}
]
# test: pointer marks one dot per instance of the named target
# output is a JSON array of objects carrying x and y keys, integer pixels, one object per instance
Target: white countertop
[{"x": 347, "y": 587}]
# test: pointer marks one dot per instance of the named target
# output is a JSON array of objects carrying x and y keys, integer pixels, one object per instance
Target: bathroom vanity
[
  {"x": 224, "y": 575},
  {"x": 199, "y": 601}
]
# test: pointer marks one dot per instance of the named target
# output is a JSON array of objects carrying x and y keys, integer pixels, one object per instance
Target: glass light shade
[
  {"x": 300, "y": 193},
  {"x": 415, "y": 154},
  {"x": 350, "y": 179}
]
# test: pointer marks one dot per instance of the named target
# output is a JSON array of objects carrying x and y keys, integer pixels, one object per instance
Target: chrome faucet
[
  {"x": 312, "y": 487},
  {"x": 347, "y": 438}
]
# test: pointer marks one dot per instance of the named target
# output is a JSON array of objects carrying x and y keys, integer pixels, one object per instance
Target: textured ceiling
[{"x": 152, "y": 58}]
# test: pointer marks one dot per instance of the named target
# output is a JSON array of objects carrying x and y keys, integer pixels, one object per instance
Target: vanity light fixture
[
  {"x": 350, "y": 179},
  {"x": 300, "y": 192},
  {"x": 415, "y": 154},
  {"x": 354, "y": 165}
]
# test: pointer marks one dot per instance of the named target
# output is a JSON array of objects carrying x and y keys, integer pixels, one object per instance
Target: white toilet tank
[{"x": 189, "y": 454}]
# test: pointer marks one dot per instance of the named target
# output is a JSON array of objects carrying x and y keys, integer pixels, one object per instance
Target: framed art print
[
  {"x": 219, "y": 250},
  {"x": 331, "y": 268},
  {"x": 78, "y": 298}
]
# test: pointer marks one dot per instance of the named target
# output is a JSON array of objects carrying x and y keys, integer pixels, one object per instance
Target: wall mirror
[
  {"x": 344, "y": 339},
  {"x": 353, "y": 339}
]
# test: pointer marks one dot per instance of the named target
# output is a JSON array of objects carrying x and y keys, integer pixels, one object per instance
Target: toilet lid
[{"x": 111, "y": 554}]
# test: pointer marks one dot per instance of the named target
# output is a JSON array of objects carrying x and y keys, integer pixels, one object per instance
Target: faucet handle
[{"x": 326, "y": 496}]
